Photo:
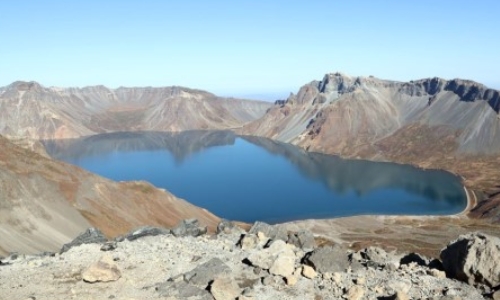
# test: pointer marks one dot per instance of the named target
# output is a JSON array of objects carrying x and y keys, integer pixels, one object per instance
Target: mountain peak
[{"x": 26, "y": 85}]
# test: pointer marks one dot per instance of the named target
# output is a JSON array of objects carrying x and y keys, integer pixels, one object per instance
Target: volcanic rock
[
  {"x": 473, "y": 258},
  {"x": 91, "y": 235}
]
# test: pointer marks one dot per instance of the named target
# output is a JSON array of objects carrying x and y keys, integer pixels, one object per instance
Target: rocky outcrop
[
  {"x": 340, "y": 113},
  {"x": 189, "y": 227},
  {"x": 273, "y": 232},
  {"x": 91, "y": 235},
  {"x": 217, "y": 267},
  {"x": 328, "y": 259},
  {"x": 142, "y": 232},
  {"x": 29, "y": 110},
  {"x": 473, "y": 258}
]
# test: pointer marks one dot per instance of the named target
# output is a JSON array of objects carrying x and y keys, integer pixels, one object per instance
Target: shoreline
[{"x": 471, "y": 203}]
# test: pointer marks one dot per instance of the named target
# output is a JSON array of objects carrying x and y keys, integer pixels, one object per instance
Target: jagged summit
[{"x": 467, "y": 90}]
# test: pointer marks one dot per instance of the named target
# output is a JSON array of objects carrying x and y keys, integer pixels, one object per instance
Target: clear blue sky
[{"x": 244, "y": 47}]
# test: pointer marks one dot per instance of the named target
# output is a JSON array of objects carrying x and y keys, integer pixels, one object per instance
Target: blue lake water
[{"x": 249, "y": 178}]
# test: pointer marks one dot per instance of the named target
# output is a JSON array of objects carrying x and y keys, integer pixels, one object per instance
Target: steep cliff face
[
  {"x": 349, "y": 115},
  {"x": 28, "y": 109},
  {"x": 45, "y": 203}
]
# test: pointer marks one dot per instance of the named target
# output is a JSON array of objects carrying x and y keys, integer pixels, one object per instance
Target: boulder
[
  {"x": 496, "y": 295},
  {"x": 103, "y": 270},
  {"x": 189, "y": 227},
  {"x": 308, "y": 272},
  {"x": 473, "y": 258},
  {"x": 375, "y": 254},
  {"x": 224, "y": 288},
  {"x": 145, "y": 231},
  {"x": 228, "y": 227},
  {"x": 279, "y": 259},
  {"x": 276, "y": 282},
  {"x": 274, "y": 232},
  {"x": 355, "y": 293},
  {"x": 109, "y": 246},
  {"x": 182, "y": 290},
  {"x": 284, "y": 264},
  {"x": 303, "y": 240},
  {"x": 328, "y": 259},
  {"x": 203, "y": 274},
  {"x": 90, "y": 236},
  {"x": 249, "y": 241}
]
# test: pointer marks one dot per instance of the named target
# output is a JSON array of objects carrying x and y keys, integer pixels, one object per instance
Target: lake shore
[{"x": 422, "y": 234}]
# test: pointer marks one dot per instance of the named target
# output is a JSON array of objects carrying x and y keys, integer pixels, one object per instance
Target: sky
[{"x": 246, "y": 48}]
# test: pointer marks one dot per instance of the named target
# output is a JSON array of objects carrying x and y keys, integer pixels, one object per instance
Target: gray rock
[
  {"x": 90, "y": 236},
  {"x": 274, "y": 281},
  {"x": 274, "y": 232},
  {"x": 328, "y": 259},
  {"x": 182, "y": 290},
  {"x": 279, "y": 259},
  {"x": 228, "y": 227},
  {"x": 189, "y": 227},
  {"x": 109, "y": 246},
  {"x": 303, "y": 240},
  {"x": 13, "y": 256},
  {"x": 203, "y": 274},
  {"x": 376, "y": 255},
  {"x": 145, "y": 231},
  {"x": 473, "y": 258},
  {"x": 46, "y": 254}
]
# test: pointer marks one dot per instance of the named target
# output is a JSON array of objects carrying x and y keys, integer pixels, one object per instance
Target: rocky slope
[
  {"x": 267, "y": 262},
  {"x": 44, "y": 203},
  {"x": 343, "y": 114},
  {"x": 432, "y": 123},
  {"x": 29, "y": 110}
]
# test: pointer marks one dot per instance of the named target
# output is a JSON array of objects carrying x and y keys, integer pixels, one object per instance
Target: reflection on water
[
  {"x": 181, "y": 145},
  {"x": 343, "y": 175},
  {"x": 251, "y": 178}
]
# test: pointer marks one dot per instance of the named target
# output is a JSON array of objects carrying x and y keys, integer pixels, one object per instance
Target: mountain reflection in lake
[{"x": 250, "y": 178}]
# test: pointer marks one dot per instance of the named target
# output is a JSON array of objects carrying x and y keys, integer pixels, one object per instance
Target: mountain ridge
[{"x": 34, "y": 111}]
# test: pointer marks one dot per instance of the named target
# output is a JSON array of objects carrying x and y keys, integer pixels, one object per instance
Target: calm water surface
[{"x": 249, "y": 178}]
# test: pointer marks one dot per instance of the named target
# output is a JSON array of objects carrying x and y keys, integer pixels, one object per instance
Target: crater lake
[{"x": 249, "y": 178}]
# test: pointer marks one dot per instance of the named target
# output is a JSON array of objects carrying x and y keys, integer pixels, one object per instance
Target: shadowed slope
[{"x": 45, "y": 203}]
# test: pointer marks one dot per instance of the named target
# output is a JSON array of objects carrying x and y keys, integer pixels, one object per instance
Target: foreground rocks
[
  {"x": 103, "y": 270},
  {"x": 234, "y": 264},
  {"x": 473, "y": 258}
]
